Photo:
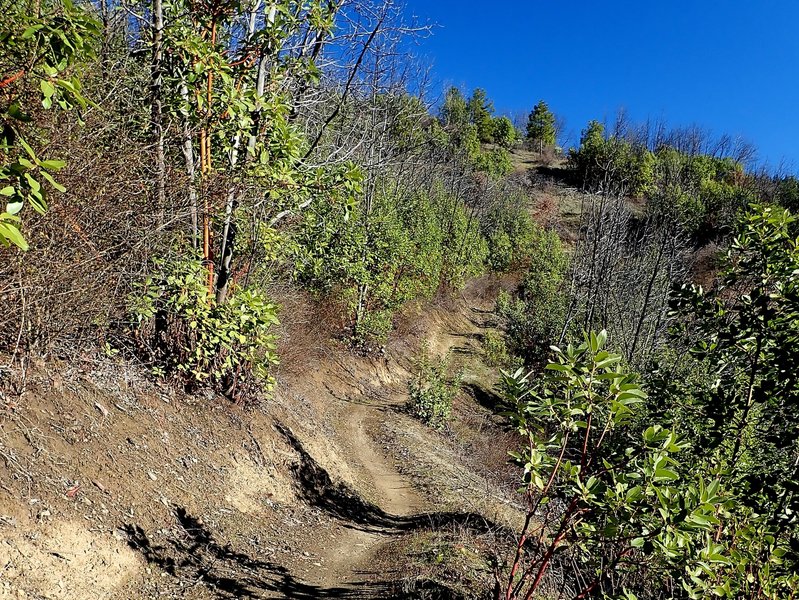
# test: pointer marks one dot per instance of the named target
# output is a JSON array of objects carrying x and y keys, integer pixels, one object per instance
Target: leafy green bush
[
  {"x": 504, "y": 132},
  {"x": 496, "y": 354},
  {"x": 612, "y": 164},
  {"x": 495, "y": 162},
  {"x": 432, "y": 389},
  {"x": 621, "y": 507},
  {"x": 40, "y": 49},
  {"x": 735, "y": 394},
  {"x": 181, "y": 331},
  {"x": 611, "y": 497},
  {"x": 510, "y": 232},
  {"x": 533, "y": 316},
  {"x": 405, "y": 247}
]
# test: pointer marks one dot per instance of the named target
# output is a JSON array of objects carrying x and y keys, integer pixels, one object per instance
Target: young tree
[
  {"x": 605, "y": 495},
  {"x": 745, "y": 330},
  {"x": 611, "y": 507},
  {"x": 230, "y": 87},
  {"x": 481, "y": 111},
  {"x": 541, "y": 127},
  {"x": 504, "y": 132},
  {"x": 454, "y": 112}
]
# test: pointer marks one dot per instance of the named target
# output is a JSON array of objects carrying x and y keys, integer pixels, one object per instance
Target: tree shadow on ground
[
  {"x": 557, "y": 174},
  {"x": 192, "y": 555},
  {"x": 339, "y": 500}
]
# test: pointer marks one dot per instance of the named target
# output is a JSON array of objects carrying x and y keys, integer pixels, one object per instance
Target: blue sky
[{"x": 732, "y": 66}]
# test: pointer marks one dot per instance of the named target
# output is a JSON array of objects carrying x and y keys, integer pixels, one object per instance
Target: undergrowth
[
  {"x": 180, "y": 331},
  {"x": 432, "y": 388}
]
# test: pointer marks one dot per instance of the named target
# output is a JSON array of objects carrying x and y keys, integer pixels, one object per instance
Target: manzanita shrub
[
  {"x": 181, "y": 331},
  {"x": 41, "y": 44},
  {"x": 611, "y": 510},
  {"x": 432, "y": 388}
]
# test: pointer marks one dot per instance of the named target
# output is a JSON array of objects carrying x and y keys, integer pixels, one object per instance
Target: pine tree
[
  {"x": 481, "y": 110},
  {"x": 454, "y": 112},
  {"x": 541, "y": 126}
]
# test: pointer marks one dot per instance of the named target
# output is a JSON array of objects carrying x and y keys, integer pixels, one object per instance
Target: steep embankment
[{"x": 114, "y": 487}]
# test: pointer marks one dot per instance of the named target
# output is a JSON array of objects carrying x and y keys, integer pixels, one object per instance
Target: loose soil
[{"x": 112, "y": 486}]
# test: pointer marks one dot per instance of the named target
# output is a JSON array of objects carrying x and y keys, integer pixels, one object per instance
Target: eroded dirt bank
[{"x": 114, "y": 487}]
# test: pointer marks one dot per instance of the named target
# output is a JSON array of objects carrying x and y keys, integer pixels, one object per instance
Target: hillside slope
[{"x": 114, "y": 487}]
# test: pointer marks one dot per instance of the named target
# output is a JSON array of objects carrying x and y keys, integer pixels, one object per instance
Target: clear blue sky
[{"x": 730, "y": 66}]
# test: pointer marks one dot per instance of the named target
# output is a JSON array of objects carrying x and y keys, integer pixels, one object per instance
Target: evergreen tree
[
  {"x": 454, "y": 112},
  {"x": 481, "y": 110},
  {"x": 504, "y": 132},
  {"x": 541, "y": 126}
]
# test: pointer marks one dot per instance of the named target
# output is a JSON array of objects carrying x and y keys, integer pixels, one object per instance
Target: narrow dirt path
[{"x": 347, "y": 561}]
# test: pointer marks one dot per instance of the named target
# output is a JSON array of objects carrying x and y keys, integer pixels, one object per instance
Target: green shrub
[
  {"x": 495, "y": 162},
  {"x": 534, "y": 315},
  {"x": 372, "y": 328},
  {"x": 432, "y": 389},
  {"x": 496, "y": 354},
  {"x": 510, "y": 232},
  {"x": 504, "y": 132},
  {"x": 612, "y": 164},
  {"x": 625, "y": 510},
  {"x": 181, "y": 331},
  {"x": 403, "y": 248}
]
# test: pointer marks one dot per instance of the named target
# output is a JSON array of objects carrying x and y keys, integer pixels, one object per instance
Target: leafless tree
[{"x": 623, "y": 270}]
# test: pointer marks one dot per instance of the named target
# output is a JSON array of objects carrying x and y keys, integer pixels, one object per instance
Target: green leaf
[
  {"x": 27, "y": 149},
  {"x": 53, "y": 182},
  {"x": 610, "y": 360},
  {"x": 31, "y": 31},
  {"x": 48, "y": 89},
  {"x": 10, "y": 233},
  {"x": 15, "y": 112},
  {"x": 557, "y": 367},
  {"x": 665, "y": 475},
  {"x": 52, "y": 165}
]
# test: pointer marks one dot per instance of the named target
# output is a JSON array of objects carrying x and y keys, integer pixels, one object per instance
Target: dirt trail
[
  {"x": 123, "y": 489},
  {"x": 346, "y": 562}
]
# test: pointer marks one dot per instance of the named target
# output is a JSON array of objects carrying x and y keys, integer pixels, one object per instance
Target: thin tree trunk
[
  {"x": 206, "y": 165},
  {"x": 229, "y": 229},
  {"x": 188, "y": 155},
  {"x": 157, "y": 123}
]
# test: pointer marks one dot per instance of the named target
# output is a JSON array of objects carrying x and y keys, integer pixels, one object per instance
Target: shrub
[
  {"x": 402, "y": 246},
  {"x": 494, "y": 349},
  {"x": 495, "y": 162},
  {"x": 504, "y": 132},
  {"x": 496, "y": 354},
  {"x": 372, "y": 329},
  {"x": 612, "y": 165},
  {"x": 535, "y": 314},
  {"x": 181, "y": 331},
  {"x": 510, "y": 232},
  {"x": 604, "y": 494},
  {"x": 432, "y": 389}
]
